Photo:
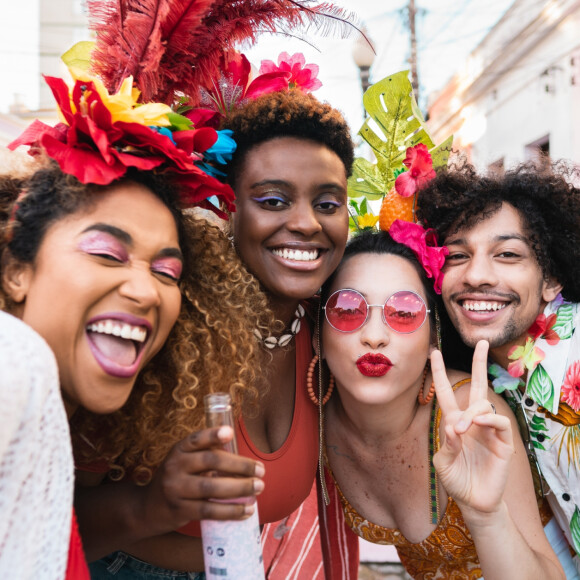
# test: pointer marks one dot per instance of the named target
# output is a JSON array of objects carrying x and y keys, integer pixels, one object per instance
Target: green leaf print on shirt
[
  {"x": 537, "y": 427},
  {"x": 541, "y": 388},
  {"x": 564, "y": 326},
  {"x": 575, "y": 529}
]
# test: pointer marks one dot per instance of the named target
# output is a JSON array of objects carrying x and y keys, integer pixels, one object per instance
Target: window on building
[
  {"x": 496, "y": 168},
  {"x": 539, "y": 149}
]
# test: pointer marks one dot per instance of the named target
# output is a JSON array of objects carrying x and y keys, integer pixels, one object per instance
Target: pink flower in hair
[
  {"x": 420, "y": 172},
  {"x": 423, "y": 243},
  {"x": 302, "y": 76}
]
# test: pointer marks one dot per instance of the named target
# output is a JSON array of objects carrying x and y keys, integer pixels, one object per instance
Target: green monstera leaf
[{"x": 394, "y": 124}]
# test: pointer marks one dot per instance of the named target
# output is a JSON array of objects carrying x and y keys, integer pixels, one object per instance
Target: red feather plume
[{"x": 174, "y": 47}]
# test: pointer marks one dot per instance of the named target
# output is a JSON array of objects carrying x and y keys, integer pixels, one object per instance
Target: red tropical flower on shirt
[{"x": 543, "y": 328}]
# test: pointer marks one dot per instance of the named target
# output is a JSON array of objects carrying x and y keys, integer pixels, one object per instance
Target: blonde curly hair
[{"x": 211, "y": 348}]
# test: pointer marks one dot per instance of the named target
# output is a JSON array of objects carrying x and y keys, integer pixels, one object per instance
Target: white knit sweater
[{"x": 36, "y": 465}]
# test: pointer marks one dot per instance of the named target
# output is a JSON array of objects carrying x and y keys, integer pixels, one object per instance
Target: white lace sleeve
[{"x": 36, "y": 465}]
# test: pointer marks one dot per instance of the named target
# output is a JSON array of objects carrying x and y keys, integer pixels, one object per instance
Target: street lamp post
[{"x": 363, "y": 55}]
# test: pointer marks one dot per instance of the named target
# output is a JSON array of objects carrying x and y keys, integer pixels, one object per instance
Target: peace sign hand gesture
[{"x": 476, "y": 444}]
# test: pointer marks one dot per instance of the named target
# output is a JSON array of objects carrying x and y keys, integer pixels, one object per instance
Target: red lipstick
[{"x": 373, "y": 365}]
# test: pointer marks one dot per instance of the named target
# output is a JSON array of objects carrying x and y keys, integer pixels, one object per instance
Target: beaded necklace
[{"x": 433, "y": 480}]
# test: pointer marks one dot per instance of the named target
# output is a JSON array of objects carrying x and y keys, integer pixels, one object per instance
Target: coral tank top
[{"x": 290, "y": 470}]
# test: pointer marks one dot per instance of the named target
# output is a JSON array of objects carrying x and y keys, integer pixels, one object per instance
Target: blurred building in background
[
  {"x": 518, "y": 94},
  {"x": 49, "y": 28}
]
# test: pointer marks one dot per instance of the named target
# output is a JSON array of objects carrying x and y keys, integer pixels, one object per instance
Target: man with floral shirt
[{"x": 512, "y": 277}]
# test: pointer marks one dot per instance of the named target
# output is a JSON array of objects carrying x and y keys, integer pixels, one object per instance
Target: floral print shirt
[{"x": 551, "y": 405}]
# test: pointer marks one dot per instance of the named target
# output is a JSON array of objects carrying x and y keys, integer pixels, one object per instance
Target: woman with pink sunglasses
[{"x": 418, "y": 456}]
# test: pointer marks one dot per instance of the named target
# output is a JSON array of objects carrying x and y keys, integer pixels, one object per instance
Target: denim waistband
[{"x": 123, "y": 566}]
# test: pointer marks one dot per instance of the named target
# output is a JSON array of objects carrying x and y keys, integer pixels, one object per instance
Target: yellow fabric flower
[
  {"x": 123, "y": 105},
  {"x": 524, "y": 357},
  {"x": 368, "y": 220}
]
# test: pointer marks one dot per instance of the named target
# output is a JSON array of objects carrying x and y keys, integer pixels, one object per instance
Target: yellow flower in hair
[
  {"x": 368, "y": 220},
  {"x": 123, "y": 105}
]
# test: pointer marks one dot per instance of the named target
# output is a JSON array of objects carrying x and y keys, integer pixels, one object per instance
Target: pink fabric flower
[
  {"x": 302, "y": 76},
  {"x": 420, "y": 172},
  {"x": 571, "y": 387},
  {"x": 424, "y": 245},
  {"x": 524, "y": 357},
  {"x": 235, "y": 87}
]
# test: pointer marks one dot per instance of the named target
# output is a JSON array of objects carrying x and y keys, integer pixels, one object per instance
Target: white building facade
[
  {"x": 32, "y": 42},
  {"x": 519, "y": 92}
]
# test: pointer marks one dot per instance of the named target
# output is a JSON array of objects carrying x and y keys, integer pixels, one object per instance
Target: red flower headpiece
[
  {"x": 96, "y": 144},
  {"x": 172, "y": 50},
  {"x": 423, "y": 243},
  {"x": 236, "y": 86}
]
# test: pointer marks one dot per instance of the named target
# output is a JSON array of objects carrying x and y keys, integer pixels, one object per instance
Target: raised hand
[
  {"x": 476, "y": 444},
  {"x": 181, "y": 488}
]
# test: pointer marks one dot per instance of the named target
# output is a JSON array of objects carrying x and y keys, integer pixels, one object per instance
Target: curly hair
[
  {"x": 544, "y": 196},
  {"x": 287, "y": 114},
  {"x": 211, "y": 347}
]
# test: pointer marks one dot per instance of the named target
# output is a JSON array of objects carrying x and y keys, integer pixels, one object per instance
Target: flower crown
[
  {"x": 406, "y": 159},
  {"x": 102, "y": 135},
  {"x": 235, "y": 86}
]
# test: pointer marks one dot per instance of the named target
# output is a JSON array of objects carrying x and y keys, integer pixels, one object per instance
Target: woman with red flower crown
[
  {"x": 289, "y": 174},
  {"x": 104, "y": 267}
]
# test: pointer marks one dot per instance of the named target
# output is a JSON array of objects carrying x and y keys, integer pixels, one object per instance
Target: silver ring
[{"x": 492, "y": 407}]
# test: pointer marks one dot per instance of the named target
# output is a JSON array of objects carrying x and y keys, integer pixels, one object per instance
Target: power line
[{"x": 451, "y": 19}]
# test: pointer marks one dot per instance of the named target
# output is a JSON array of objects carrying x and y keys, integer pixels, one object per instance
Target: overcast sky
[{"x": 447, "y": 30}]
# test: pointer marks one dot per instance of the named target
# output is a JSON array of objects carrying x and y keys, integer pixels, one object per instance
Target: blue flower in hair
[
  {"x": 164, "y": 131},
  {"x": 222, "y": 150}
]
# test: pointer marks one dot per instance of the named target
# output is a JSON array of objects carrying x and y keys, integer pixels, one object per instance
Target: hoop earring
[
  {"x": 310, "y": 384},
  {"x": 425, "y": 400}
]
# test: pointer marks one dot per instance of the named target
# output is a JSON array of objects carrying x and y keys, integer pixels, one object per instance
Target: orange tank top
[{"x": 290, "y": 471}]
